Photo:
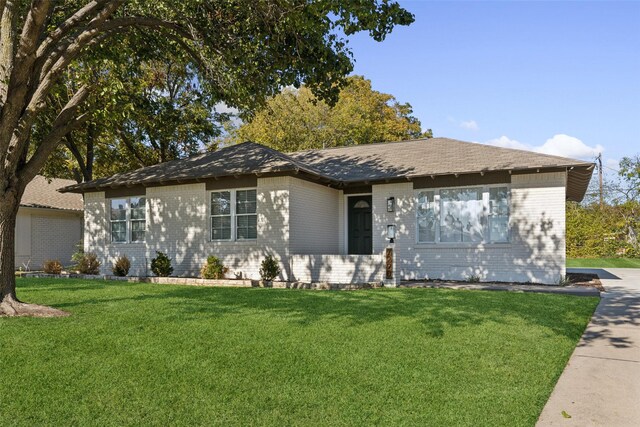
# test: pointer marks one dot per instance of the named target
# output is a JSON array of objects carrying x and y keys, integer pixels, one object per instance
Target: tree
[
  {"x": 628, "y": 186},
  {"x": 159, "y": 112},
  {"x": 244, "y": 50},
  {"x": 295, "y": 119}
]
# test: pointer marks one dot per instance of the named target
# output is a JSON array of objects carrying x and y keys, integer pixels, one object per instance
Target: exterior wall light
[
  {"x": 391, "y": 232},
  {"x": 391, "y": 204}
]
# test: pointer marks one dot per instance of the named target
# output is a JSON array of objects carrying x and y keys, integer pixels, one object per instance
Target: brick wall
[
  {"x": 338, "y": 268},
  {"x": 46, "y": 234},
  {"x": 314, "y": 218},
  {"x": 536, "y": 252},
  {"x": 306, "y": 219}
]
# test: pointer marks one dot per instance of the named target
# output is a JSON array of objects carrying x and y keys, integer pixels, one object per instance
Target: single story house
[
  {"x": 49, "y": 224},
  {"x": 457, "y": 209}
]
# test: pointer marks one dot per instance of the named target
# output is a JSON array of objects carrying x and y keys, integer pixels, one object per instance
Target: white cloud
[
  {"x": 569, "y": 146},
  {"x": 469, "y": 124},
  {"x": 558, "y": 145},
  {"x": 506, "y": 142}
]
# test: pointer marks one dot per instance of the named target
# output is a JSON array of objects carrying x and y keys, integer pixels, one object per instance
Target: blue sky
[{"x": 556, "y": 77}]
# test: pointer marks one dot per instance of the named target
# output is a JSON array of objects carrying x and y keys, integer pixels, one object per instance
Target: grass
[
  {"x": 142, "y": 354},
  {"x": 604, "y": 262}
]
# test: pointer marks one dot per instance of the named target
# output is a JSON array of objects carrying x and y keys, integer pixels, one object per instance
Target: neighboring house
[
  {"x": 48, "y": 225},
  {"x": 459, "y": 209}
]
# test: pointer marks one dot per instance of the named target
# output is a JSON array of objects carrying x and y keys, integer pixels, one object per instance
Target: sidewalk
[{"x": 600, "y": 385}]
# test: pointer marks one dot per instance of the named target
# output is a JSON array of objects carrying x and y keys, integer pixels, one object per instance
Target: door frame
[{"x": 345, "y": 217}]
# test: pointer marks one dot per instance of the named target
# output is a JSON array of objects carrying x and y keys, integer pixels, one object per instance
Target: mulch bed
[{"x": 589, "y": 280}]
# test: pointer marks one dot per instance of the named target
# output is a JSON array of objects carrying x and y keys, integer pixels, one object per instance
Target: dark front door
[{"x": 359, "y": 230}]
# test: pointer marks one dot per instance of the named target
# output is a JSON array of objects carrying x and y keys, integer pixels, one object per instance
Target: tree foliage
[
  {"x": 296, "y": 119},
  {"x": 610, "y": 231},
  {"x": 242, "y": 51}
]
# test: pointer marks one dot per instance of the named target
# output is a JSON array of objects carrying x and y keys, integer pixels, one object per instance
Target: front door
[{"x": 359, "y": 229}]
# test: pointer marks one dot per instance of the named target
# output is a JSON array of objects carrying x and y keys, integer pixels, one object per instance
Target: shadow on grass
[{"x": 435, "y": 309}]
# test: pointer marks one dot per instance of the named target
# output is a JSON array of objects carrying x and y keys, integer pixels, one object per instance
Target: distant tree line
[{"x": 610, "y": 230}]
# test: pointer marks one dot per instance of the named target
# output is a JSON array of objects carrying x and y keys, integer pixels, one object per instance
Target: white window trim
[
  {"x": 485, "y": 208},
  {"x": 128, "y": 220},
  {"x": 232, "y": 214}
]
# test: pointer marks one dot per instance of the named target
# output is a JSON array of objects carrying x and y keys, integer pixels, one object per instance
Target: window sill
[
  {"x": 128, "y": 244},
  {"x": 246, "y": 242},
  {"x": 470, "y": 245}
]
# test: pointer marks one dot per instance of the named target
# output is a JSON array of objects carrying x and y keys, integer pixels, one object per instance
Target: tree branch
[
  {"x": 90, "y": 10},
  {"x": 66, "y": 121}
]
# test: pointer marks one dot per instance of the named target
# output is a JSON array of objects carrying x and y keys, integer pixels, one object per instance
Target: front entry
[{"x": 360, "y": 225}]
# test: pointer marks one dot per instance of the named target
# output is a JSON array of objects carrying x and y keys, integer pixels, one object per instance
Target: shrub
[
  {"x": 269, "y": 269},
  {"x": 121, "y": 266},
  {"x": 161, "y": 265},
  {"x": 213, "y": 269},
  {"x": 52, "y": 266},
  {"x": 473, "y": 278},
  {"x": 88, "y": 264},
  {"x": 78, "y": 254}
]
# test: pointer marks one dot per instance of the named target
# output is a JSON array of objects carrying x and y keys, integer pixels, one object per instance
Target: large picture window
[
  {"x": 233, "y": 215},
  {"x": 463, "y": 215},
  {"x": 128, "y": 220}
]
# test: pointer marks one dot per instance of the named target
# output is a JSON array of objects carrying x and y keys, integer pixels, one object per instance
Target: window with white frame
[
  {"x": 463, "y": 215},
  {"x": 233, "y": 215},
  {"x": 499, "y": 214},
  {"x": 128, "y": 219},
  {"x": 427, "y": 217}
]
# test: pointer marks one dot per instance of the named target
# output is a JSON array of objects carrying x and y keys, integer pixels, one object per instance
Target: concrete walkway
[
  {"x": 600, "y": 385},
  {"x": 549, "y": 289}
]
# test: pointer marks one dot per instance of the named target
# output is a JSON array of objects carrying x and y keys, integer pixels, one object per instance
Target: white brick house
[
  {"x": 49, "y": 224},
  {"x": 459, "y": 209}
]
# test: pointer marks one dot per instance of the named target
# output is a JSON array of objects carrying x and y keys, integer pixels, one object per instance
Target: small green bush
[
  {"x": 161, "y": 265},
  {"x": 269, "y": 269},
  {"x": 213, "y": 269},
  {"x": 473, "y": 278},
  {"x": 88, "y": 264},
  {"x": 52, "y": 266},
  {"x": 121, "y": 266}
]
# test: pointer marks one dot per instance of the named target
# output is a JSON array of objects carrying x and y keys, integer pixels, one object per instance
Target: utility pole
[{"x": 599, "y": 159}]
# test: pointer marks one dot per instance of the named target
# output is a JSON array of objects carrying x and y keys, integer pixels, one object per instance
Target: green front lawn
[
  {"x": 603, "y": 262},
  {"x": 141, "y": 354}
]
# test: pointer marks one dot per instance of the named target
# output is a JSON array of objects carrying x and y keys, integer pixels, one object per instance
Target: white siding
[
  {"x": 307, "y": 220},
  {"x": 178, "y": 224},
  {"x": 338, "y": 268},
  {"x": 314, "y": 218},
  {"x": 536, "y": 252},
  {"x": 43, "y": 234}
]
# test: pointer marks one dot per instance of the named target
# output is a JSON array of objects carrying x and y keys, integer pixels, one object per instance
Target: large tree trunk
[{"x": 9, "y": 303}]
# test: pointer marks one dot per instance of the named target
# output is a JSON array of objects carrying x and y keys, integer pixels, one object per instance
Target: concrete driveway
[{"x": 600, "y": 385}]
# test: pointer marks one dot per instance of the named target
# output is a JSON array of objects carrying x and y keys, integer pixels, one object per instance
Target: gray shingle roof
[
  {"x": 247, "y": 158},
  {"x": 40, "y": 193},
  {"x": 423, "y": 157},
  {"x": 353, "y": 164}
]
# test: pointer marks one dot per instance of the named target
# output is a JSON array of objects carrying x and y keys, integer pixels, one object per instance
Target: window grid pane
[
  {"x": 119, "y": 231},
  {"x": 426, "y": 217},
  {"x": 247, "y": 227},
  {"x": 245, "y": 202},
  {"x": 221, "y": 227},
  {"x": 221, "y": 203},
  {"x": 461, "y": 215},
  {"x": 499, "y": 214}
]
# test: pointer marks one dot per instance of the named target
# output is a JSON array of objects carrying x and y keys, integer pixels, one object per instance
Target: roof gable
[{"x": 43, "y": 193}]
